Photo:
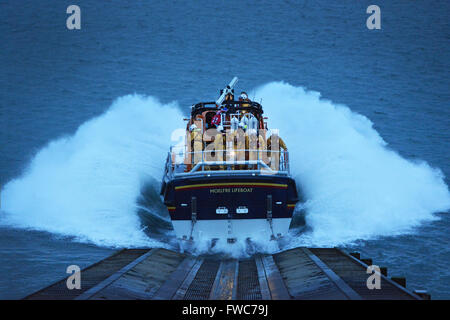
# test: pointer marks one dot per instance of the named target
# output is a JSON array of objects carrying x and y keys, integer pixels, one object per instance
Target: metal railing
[
  {"x": 226, "y": 162},
  {"x": 233, "y": 104}
]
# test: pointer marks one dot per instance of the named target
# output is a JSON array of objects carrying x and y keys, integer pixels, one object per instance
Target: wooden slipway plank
[
  {"x": 144, "y": 279},
  {"x": 168, "y": 290},
  {"x": 383, "y": 277},
  {"x": 304, "y": 279},
  {"x": 345, "y": 288},
  {"x": 300, "y": 273},
  {"x": 92, "y": 291},
  {"x": 265, "y": 292},
  {"x": 90, "y": 276},
  {"x": 277, "y": 288},
  {"x": 356, "y": 276}
]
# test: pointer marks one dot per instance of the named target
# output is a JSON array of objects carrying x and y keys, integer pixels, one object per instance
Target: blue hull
[{"x": 243, "y": 197}]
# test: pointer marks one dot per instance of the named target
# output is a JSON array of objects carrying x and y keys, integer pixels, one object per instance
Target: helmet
[
  {"x": 244, "y": 95},
  {"x": 192, "y": 127}
]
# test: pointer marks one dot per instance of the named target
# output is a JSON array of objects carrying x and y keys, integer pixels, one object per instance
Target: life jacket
[
  {"x": 196, "y": 135},
  {"x": 218, "y": 141},
  {"x": 281, "y": 144}
]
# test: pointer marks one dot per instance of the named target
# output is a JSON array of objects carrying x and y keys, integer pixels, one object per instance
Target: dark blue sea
[{"x": 86, "y": 118}]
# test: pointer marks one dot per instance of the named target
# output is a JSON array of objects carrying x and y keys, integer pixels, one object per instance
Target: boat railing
[
  {"x": 226, "y": 162},
  {"x": 232, "y": 104}
]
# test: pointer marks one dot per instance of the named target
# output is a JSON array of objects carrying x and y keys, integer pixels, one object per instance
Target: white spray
[
  {"x": 355, "y": 186},
  {"x": 86, "y": 185}
]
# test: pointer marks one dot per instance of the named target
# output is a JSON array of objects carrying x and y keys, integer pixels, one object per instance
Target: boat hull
[
  {"x": 230, "y": 207},
  {"x": 231, "y": 229}
]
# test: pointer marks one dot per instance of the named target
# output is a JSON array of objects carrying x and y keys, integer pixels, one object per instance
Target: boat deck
[{"x": 300, "y": 273}]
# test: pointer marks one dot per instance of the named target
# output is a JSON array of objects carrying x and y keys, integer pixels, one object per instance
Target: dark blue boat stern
[{"x": 231, "y": 208}]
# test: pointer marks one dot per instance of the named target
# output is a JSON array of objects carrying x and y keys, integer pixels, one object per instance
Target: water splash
[
  {"x": 86, "y": 185},
  {"x": 356, "y": 186}
]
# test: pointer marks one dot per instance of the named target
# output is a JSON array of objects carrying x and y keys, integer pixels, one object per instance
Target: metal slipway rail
[{"x": 161, "y": 274}]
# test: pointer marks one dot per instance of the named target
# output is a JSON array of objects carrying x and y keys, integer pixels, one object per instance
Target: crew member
[
  {"x": 219, "y": 147},
  {"x": 275, "y": 145},
  {"x": 240, "y": 138},
  {"x": 244, "y": 98},
  {"x": 234, "y": 123},
  {"x": 196, "y": 143},
  {"x": 252, "y": 122},
  {"x": 262, "y": 147},
  {"x": 230, "y": 141},
  {"x": 244, "y": 122},
  {"x": 229, "y": 98},
  {"x": 251, "y": 144}
]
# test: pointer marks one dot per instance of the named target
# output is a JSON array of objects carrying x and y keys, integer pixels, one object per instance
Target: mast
[{"x": 226, "y": 91}]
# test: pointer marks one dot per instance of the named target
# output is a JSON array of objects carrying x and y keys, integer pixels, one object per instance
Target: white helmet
[{"x": 192, "y": 127}]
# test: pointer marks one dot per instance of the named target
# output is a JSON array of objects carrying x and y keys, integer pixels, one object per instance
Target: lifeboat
[{"x": 230, "y": 179}]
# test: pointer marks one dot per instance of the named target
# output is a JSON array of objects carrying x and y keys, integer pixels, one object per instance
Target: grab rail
[{"x": 234, "y": 161}]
